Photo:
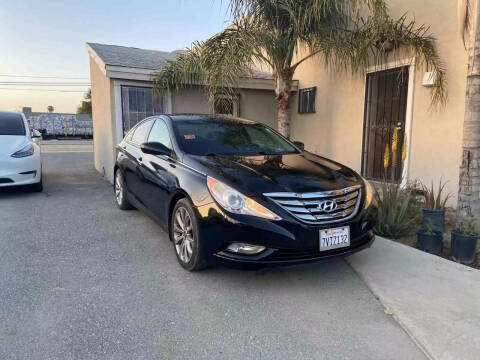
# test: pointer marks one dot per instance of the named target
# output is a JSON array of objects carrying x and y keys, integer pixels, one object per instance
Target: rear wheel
[
  {"x": 186, "y": 238},
  {"x": 120, "y": 192}
]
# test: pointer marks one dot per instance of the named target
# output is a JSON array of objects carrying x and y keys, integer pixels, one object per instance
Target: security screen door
[
  {"x": 385, "y": 110},
  {"x": 138, "y": 103}
]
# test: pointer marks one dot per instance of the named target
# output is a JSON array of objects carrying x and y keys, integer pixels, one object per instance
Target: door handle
[{"x": 171, "y": 162}]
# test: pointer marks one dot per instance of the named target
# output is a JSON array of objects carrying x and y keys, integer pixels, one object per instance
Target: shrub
[
  {"x": 433, "y": 200},
  {"x": 399, "y": 209}
]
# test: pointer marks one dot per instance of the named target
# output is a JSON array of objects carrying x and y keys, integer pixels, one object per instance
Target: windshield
[
  {"x": 11, "y": 124},
  {"x": 229, "y": 137}
]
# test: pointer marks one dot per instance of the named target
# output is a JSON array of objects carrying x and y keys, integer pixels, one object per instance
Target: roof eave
[{"x": 127, "y": 73}]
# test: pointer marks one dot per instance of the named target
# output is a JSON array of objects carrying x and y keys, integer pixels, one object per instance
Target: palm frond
[
  {"x": 184, "y": 71},
  {"x": 217, "y": 63},
  {"x": 346, "y": 33},
  {"x": 362, "y": 47}
]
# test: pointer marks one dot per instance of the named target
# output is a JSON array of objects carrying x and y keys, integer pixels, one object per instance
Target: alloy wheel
[
  {"x": 183, "y": 234},
  {"x": 119, "y": 187}
]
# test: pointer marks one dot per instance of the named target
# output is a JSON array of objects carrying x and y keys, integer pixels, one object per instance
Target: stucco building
[
  {"x": 349, "y": 118},
  {"x": 122, "y": 95},
  {"x": 355, "y": 115}
]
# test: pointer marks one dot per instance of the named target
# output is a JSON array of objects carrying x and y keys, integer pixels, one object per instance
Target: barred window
[
  {"x": 223, "y": 106},
  {"x": 306, "y": 100},
  {"x": 139, "y": 103}
]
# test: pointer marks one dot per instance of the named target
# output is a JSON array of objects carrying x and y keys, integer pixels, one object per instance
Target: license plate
[{"x": 334, "y": 238}]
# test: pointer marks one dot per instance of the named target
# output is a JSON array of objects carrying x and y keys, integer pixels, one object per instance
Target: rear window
[
  {"x": 229, "y": 137},
  {"x": 11, "y": 124},
  {"x": 141, "y": 132}
]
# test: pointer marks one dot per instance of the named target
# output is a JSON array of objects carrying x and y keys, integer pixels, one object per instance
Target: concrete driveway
[{"x": 80, "y": 279}]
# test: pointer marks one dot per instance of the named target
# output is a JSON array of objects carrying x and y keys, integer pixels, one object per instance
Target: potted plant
[
  {"x": 464, "y": 243},
  {"x": 434, "y": 206},
  {"x": 430, "y": 240}
]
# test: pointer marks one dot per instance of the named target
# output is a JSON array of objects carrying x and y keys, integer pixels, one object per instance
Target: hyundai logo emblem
[{"x": 328, "y": 206}]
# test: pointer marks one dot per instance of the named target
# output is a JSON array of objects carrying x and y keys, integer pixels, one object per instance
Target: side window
[
  {"x": 129, "y": 135},
  {"x": 160, "y": 133},
  {"x": 141, "y": 133}
]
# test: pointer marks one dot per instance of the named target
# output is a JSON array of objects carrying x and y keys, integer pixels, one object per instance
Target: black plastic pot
[
  {"x": 430, "y": 243},
  {"x": 434, "y": 217},
  {"x": 463, "y": 247}
]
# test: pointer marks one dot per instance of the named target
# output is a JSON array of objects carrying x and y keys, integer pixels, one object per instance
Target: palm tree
[
  {"x": 281, "y": 34},
  {"x": 468, "y": 206}
]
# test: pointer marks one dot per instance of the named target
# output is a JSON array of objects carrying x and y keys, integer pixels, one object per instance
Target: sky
[{"x": 44, "y": 41}]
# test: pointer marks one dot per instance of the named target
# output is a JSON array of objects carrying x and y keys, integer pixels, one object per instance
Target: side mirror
[
  {"x": 155, "y": 148},
  {"x": 36, "y": 134},
  {"x": 300, "y": 145}
]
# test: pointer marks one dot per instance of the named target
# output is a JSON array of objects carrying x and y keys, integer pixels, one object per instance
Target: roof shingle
[{"x": 132, "y": 57}]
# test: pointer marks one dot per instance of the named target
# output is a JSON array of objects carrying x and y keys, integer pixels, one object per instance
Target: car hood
[
  {"x": 254, "y": 175},
  {"x": 11, "y": 143}
]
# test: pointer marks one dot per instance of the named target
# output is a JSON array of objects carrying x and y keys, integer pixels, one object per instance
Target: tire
[
  {"x": 38, "y": 187},
  {"x": 120, "y": 191},
  {"x": 185, "y": 236}
]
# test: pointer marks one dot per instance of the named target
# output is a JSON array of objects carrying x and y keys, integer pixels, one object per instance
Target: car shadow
[
  {"x": 16, "y": 191},
  {"x": 325, "y": 275}
]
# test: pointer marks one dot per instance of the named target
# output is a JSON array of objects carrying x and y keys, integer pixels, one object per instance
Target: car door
[
  {"x": 132, "y": 167},
  {"x": 158, "y": 172}
]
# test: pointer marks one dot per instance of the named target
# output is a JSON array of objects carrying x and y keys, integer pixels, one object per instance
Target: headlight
[
  {"x": 369, "y": 193},
  {"x": 28, "y": 150},
  {"x": 235, "y": 202}
]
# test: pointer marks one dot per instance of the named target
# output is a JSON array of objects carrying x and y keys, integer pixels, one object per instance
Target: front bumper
[
  {"x": 288, "y": 241},
  {"x": 20, "y": 171}
]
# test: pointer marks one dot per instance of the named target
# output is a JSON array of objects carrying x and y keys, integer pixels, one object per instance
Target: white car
[{"x": 20, "y": 161}]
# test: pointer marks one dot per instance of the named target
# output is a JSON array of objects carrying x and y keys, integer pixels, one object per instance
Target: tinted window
[
  {"x": 229, "y": 137},
  {"x": 141, "y": 132},
  {"x": 160, "y": 133},
  {"x": 128, "y": 137},
  {"x": 11, "y": 124}
]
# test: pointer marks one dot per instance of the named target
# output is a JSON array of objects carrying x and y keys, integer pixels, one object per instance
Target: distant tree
[
  {"x": 85, "y": 106},
  {"x": 50, "y": 108}
]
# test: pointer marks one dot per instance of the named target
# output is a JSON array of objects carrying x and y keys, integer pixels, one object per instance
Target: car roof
[
  {"x": 206, "y": 118},
  {"x": 10, "y": 113}
]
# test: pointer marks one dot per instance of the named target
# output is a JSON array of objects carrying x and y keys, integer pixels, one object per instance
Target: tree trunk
[
  {"x": 283, "y": 92},
  {"x": 468, "y": 207}
]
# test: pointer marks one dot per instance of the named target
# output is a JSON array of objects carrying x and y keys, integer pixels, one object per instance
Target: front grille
[
  {"x": 6, "y": 181},
  {"x": 310, "y": 207}
]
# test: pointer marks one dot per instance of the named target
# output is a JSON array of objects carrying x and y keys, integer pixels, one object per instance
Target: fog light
[
  {"x": 241, "y": 248},
  {"x": 364, "y": 225}
]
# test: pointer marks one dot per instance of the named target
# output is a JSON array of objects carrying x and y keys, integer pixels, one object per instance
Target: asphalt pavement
[{"x": 80, "y": 279}]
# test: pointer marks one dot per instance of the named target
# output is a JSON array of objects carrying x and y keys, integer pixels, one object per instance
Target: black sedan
[{"x": 236, "y": 192}]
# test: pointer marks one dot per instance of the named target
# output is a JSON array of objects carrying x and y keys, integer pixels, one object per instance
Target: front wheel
[{"x": 185, "y": 236}]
